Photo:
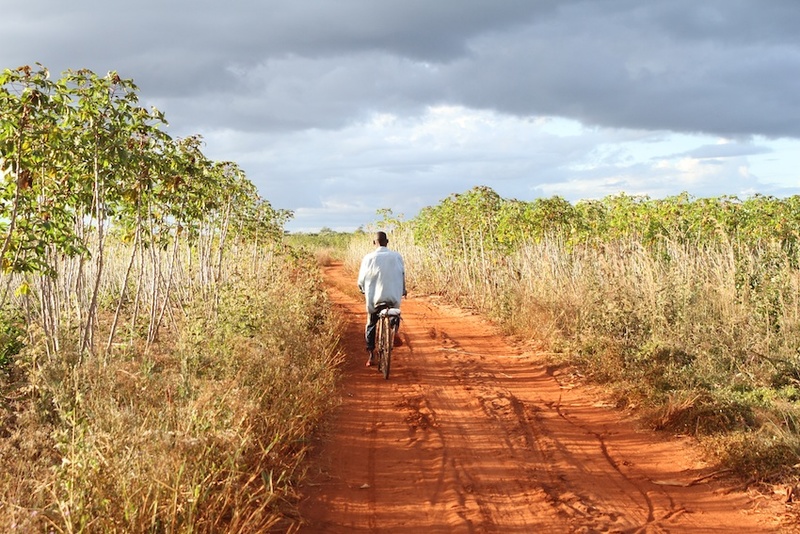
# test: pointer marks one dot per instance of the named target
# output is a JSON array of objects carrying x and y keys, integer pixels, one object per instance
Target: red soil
[{"x": 473, "y": 433}]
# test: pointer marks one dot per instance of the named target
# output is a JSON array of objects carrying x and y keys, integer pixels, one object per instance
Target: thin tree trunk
[
  {"x": 124, "y": 287},
  {"x": 91, "y": 315},
  {"x": 155, "y": 277},
  {"x": 167, "y": 288},
  {"x": 139, "y": 290},
  {"x": 222, "y": 237}
]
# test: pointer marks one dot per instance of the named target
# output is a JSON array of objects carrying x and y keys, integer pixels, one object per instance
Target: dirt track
[{"x": 472, "y": 434}]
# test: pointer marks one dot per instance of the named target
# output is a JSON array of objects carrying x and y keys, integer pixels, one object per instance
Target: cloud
[
  {"x": 335, "y": 107},
  {"x": 366, "y": 166},
  {"x": 718, "y": 67},
  {"x": 639, "y": 68},
  {"x": 725, "y": 150}
]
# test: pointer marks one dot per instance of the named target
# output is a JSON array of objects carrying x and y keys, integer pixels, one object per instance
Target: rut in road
[{"x": 472, "y": 433}]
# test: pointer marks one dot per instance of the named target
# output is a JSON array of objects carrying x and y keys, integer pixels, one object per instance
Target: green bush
[
  {"x": 687, "y": 307},
  {"x": 12, "y": 337}
]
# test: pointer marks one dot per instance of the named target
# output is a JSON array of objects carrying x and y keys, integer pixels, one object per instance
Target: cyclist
[{"x": 382, "y": 280}]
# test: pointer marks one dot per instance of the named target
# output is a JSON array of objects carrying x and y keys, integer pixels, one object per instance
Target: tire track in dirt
[{"x": 472, "y": 433}]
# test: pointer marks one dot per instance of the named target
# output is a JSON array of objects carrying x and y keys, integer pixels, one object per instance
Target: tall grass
[
  {"x": 203, "y": 431},
  {"x": 703, "y": 338}
]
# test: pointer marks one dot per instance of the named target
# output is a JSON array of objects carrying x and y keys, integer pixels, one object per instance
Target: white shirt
[{"x": 382, "y": 278}]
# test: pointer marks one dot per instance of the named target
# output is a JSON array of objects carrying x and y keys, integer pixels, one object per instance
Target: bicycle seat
[
  {"x": 391, "y": 312},
  {"x": 381, "y": 307}
]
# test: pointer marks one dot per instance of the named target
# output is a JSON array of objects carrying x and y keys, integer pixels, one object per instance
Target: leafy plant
[
  {"x": 108, "y": 222},
  {"x": 686, "y": 306},
  {"x": 12, "y": 337}
]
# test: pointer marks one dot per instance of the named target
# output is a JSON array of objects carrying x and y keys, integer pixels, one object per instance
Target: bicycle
[{"x": 385, "y": 330}]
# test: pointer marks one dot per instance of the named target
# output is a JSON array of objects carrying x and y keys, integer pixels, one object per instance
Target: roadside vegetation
[
  {"x": 166, "y": 350},
  {"x": 686, "y": 308},
  {"x": 164, "y": 355},
  {"x": 326, "y": 245}
]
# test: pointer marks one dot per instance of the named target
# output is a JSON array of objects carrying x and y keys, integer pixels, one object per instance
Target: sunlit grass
[
  {"x": 206, "y": 431},
  {"x": 703, "y": 339}
]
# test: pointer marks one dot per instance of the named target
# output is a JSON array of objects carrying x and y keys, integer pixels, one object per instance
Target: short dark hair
[{"x": 381, "y": 238}]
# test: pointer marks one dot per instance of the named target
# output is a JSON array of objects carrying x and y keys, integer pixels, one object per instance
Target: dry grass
[
  {"x": 324, "y": 257},
  {"x": 204, "y": 432},
  {"x": 703, "y": 337}
]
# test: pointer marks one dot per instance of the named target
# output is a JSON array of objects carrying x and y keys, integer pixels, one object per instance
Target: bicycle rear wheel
[{"x": 386, "y": 340}]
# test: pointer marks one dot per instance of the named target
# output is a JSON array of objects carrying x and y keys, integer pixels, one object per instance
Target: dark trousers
[{"x": 372, "y": 322}]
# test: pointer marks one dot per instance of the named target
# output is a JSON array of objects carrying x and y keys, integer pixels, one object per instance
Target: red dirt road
[{"x": 472, "y": 434}]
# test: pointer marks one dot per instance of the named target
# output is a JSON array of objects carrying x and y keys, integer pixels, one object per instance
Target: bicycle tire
[
  {"x": 388, "y": 351},
  {"x": 379, "y": 343},
  {"x": 385, "y": 344}
]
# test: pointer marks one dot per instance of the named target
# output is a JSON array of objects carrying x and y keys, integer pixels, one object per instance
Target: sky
[{"x": 336, "y": 109}]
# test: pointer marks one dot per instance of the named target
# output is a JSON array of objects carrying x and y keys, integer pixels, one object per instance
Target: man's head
[{"x": 381, "y": 239}]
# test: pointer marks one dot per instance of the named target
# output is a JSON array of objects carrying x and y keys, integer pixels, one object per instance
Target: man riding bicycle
[{"x": 382, "y": 280}]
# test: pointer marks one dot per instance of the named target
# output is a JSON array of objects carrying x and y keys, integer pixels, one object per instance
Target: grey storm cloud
[{"x": 726, "y": 67}]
